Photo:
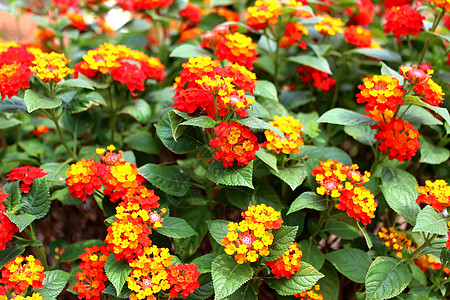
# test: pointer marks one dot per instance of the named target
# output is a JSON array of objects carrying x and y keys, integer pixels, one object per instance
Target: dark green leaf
[
  {"x": 382, "y": 54},
  {"x": 176, "y": 228},
  {"x": 139, "y": 109},
  {"x": 72, "y": 252},
  {"x": 13, "y": 105},
  {"x": 232, "y": 176},
  {"x": 83, "y": 100},
  {"x": 205, "y": 290},
  {"x": 169, "y": 179},
  {"x": 329, "y": 285},
  {"x": 387, "y": 277},
  {"x": 282, "y": 239},
  {"x": 9, "y": 123},
  {"x": 54, "y": 283},
  {"x": 56, "y": 172},
  {"x": 204, "y": 262},
  {"x": 430, "y": 221},
  {"x": 144, "y": 142},
  {"x": 292, "y": 176},
  {"x": 443, "y": 112},
  {"x": 309, "y": 200},
  {"x": 9, "y": 254},
  {"x": 363, "y": 134},
  {"x": 218, "y": 229},
  {"x": 245, "y": 292},
  {"x": 13, "y": 199},
  {"x": 445, "y": 257},
  {"x": 35, "y": 101},
  {"x": 37, "y": 201},
  {"x": 22, "y": 221},
  {"x": 342, "y": 116},
  {"x": 117, "y": 272},
  {"x": 228, "y": 275},
  {"x": 266, "y": 89},
  {"x": 352, "y": 263},
  {"x": 268, "y": 158},
  {"x": 263, "y": 193},
  {"x": 315, "y": 62},
  {"x": 188, "y": 51},
  {"x": 311, "y": 254},
  {"x": 256, "y": 123},
  {"x": 340, "y": 229},
  {"x": 419, "y": 115},
  {"x": 202, "y": 121}
]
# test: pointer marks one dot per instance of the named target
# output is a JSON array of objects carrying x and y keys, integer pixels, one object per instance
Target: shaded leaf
[
  {"x": 352, "y": 263},
  {"x": 37, "y": 201},
  {"x": 35, "y": 101},
  {"x": 309, "y": 200},
  {"x": 283, "y": 237},
  {"x": 169, "y": 179},
  {"x": 292, "y": 176},
  {"x": 342, "y": 116},
  {"x": 139, "y": 109},
  {"x": 117, "y": 272},
  {"x": 22, "y": 220},
  {"x": 231, "y": 176}
]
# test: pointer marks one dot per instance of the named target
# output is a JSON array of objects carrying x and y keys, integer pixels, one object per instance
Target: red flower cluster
[
  {"x": 436, "y": 193},
  {"x": 397, "y": 138},
  {"x": 416, "y": 75},
  {"x": 191, "y": 14},
  {"x": 15, "y": 71},
  {"x": 202, "y": 79},
  {"x": 84, "y": 177},
  {"x": 138, "y": 5},
  {"x": 364, "y": 13},
  {"x": 359, "y": 36},
  {"x": 235, "y": 142},
  {"x": 403, "y": 20},
  {"x": 294, "y": 33},
  {"x": 430, "y": 92},
  {"x": 27, "y": 174},
  {"x": 91, "y": 280},
  {"x": 7, "y": 228},
  {"x": 183, "y": 278},
  {"x": 40, "y": 130},
  {"x": 320, "y": 80},
  {"x": 288, "y": 264}
]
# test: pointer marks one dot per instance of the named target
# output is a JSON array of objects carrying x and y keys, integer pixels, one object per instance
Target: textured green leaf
[
  {"x": 95, "y": 83},
  {"x": 283, "y": 237},
  {"x": 176, "y": 228},
  {"x": 432, "y": 154},
  {"x": 382, "y": 54},
  {"x": 311, "y": 254},
  {"x": 56, "y": 172},
  {"x": 232, "y": 176},
  {"x": 8, "y": 254},
  {"x": 266, "y": 89},
  {"x": 245, "y": 292},
  {"x": 188, "y": 51},
  {"x": 202, "y": 122},
  {"x": 144, "y": 142},
  {"x": 77, "y": 82},
  {"x": 316, "y": 154},
  {"x": 308, "y": 200},
  {"x": 54, "y": 283},
  {"x": 83, "y": 100},
  {"x": 139, "y": 109},
  {"x": 256, "y": 123},
  {"x": 228, "y": 275},
  {"x": 315, "y": 62},
  {"x": 175, "y": 122},
  {"x": 13, "y": 199},
  {"x": 387, "y": 277},
  {"x": 268, "y": 158},
  {"x": 362, "y": 134},
  {"x": 218, "y": 229},
  {"x": 301, "y": 281},
  {"x": 399, "y": 190},
  {"x": 342, "y": 116},
  {"x": 72, "y": 252},
  {"x": 169, "y": 179},
  {"x": 429, "y": 220},
  {"x": 418, "y": 115},
  {"x": 341, "y": 229},
  {"x": 34, "y": 101},
  {"x": 22, "y": 221},
  {"x": 13, "y": 105},
  {"x": 352, "y": 263},
  {"x": 37, "y": 201},
  {"x": 443, "y": 112},
  {"x": 205, "y": 290},
  {"x": 204, "y": 262},
  {"x": 117, "y": 272},
  {"x": 292, "y": 176},
  {"x": 9, "y": 123},
  {"x": 330, "y": 284},
  {"x": 388, "y": 71},
  {"x": 111, "y": 290}
]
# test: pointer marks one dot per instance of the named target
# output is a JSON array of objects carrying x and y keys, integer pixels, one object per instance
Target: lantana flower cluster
[
  {"x": 360, "y": 37},
  {"x": 288, "y": 264},
  {"x": 435, "y": 193},
  {"x": 251, "y": 237},
  {"x": 140, "y": 5},
  {"x": 403, "y": 20},
  {"x": 292, "y": 130},
  {"x": 26, "y": 174},
  {"x": 311, "y": 294},
  {"x": 7, "y": 228},
  {"x": 51, "y": 67},
  {"x": 395, "y": 240},
  {"x": 319, "y": 79},
  {"x": 346, "y": 184},
  {"x": 126, "y": 66}
]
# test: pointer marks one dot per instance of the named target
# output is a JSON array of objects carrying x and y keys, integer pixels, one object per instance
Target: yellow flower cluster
[
  {"x": 330, "y": 176},
  {"x": 219, "y": 85},
  {"x": 103, "y": 58},
  {"x": 148, "y": 276},
  {"x": 240, "y": 44},
  {"x": 51, "y": 67},
  {"x": 200, "y": 64},
  {"x": 35, "y": 296},
  {"x": 445, "y": 4},
  {"x": 263, "y": 214},
  {"x": 125, "y": 173},
  {"x": 357, "y": 201},
  {"x": 262, "y": 13},
  {"x": 435, "y": 193},
  {"x": 329, "y": 25},
  {"x": 291, "y": 128},
  {"x": 5, "y": 46},
  {"x": 395, "y": 240}
]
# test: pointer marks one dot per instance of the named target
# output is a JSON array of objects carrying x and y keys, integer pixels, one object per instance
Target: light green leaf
[
  {"x": 72, "y": 252},
  {"x": 382, "y": 54},
  {"x": 228, "y": 275},
  {"x": 9, "y": 123},
  {"x": 352, "y": 263},
  {"x": 54, "y": 283},
  {"x": 214, "y": 3},
  {"x": 37, "y": 201},
  {"x": 387, "y": 277},
  {"x": 263, "y": 193},
  {"x": 311, "y": 254},
  {"x": 245, "y": 292},
  {"x": 35, "y": 101},
  {"x": 169, "y": 179},
  {"x": 361, "y": 133},
  {"x": 430, "y": 221},
  {"x": 301, "y": 281},
  {"x": 117, "y": 272},
  {"x": 256, "y": 123},
  {"x": 308, "y": 200},
  {"x": 268, "y": 158},
  {"x": 341, "y": 229},
  {"x": 218, "y": 229},
  {"x": 13, "y": 199},
  {"x": 56, "y": 172},
  {"x": 204, "y": 262},
  {"x": 445, "y": 257},
  {"x": 13, "y": 105},
  {"x": 22, "y": 221},
  {"x": 202, "y": 122},
  {"x": 443, "y": 112},
  {"x": 144, "y": 142},
  {"x": 176, "y": 228},
  {"x": 432, "y": 154},
  {"x": 8, "y": 254},
  {"x": 139, "y": 109},
  {"x": 77, "y": 82},
  {"x": 315, "y": 62},
  {"x": 231, "y": 176},
  {"x": 342, "y": 116},
  {"x": 283, "y": 237},
  {"x": 267, "y": 90},
  {"x": 419, "y": 115},
  {"x": 292, "y": 176},
  {"x": 188, "y": 51}
]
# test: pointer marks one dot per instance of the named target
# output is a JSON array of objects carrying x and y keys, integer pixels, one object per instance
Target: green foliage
[
  {"x": 72, "y": 252},
  {"x": 35, "y": 101},
  {"x": 169, "y": 179},
  {"x": 54, "y": 283},
  {"x": 228, "y": 275},
  {"x": 430, "y": 221},
  {"x": 117, "y": 272},
  {"x": 352, "y": 263},
  {"x": 231, "y": 176},
  {"x": 176, "y": 228},
  {"x": 309, "y": 200},
  {"x": 37, "y": 201},
  {"x": 282, "y": 239}
]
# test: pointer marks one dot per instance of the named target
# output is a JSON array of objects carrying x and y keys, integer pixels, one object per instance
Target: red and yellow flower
[
  {"x": 430, "y": 92},
  {"x": 360, "y": 37},
  {"x": 51, "y": 67},
  {"x": 395, "y": 240},
  {"x": 288, "y": 264},
  {"x": 7, "y": 228},
  {"x": 15, "y": 70},
  {"x": 237, "y": 48},
  {"x": 311, "y": 294},
  {"x": 84, "y": 177},
  {"x": 293, "y": 34},
  {"x": 183, "y": 278},
  {"x": 435, "y": 193},
  {"x": 263, "y": 14},
  {"x": 292, "y": 130},
  {"x": 329, "y": 25},
  {"x": 320, "y": 80},
  {"x": 403, "y": 20},
  {"x": 21, "y": 273}
]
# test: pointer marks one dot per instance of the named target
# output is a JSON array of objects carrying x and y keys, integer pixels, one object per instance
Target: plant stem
[
  {"x": 423, "y": 246},
  {"x": 55, "y": 119},
  {"x": 403, "y": 113},
  {"x": 323, "y": 218},
  {"x": 427, "y": 41},
  {"x": 39, "y": 250}
]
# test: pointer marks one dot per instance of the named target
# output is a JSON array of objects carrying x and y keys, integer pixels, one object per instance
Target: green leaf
[
  {"x": 95, "y": 83},
  {"x": 363, "y": 134},
  {"x": 188, "y": 51},
  {"x": 54, "y": 283},
  {"x": 204, "y": 262},
  {"x": 175, "y": 121},
  {"x": 83, "y": 100},
  {"x": 267, "y": 90},
  {"x": 445, "y": 257},
  {"x": 256, "y": 123},
  {"x": 78, "y": 83},
  {"x": 399, "y": 190},
  {"x": 418, "y": 115},
  {"x": 139, "y": 109},
  {"x": 245, "y": 292},
  {"x": 432, "y": 154},
  {"x": 342, "y": 116},
  {"x": 283, "y": 237},
  {"x": 13, "y": 105},
  {"x": 430, "y": 221},
  {"x": 35, "y": 101},
  {"x": 144, "y": 142},
  {"x": 205, "y": 290},
  {"x": 117, "y": 272},
  {"x": 301, "y": 281},
  {"x": 176, "y": 228},
  {"x": 268, "y": 158},
  {"x": 388, "y": 71},
  {"x": 37, "y": 201},
  {"x": 8, "y": 254},
  {"x": 311, "y": 254},
  {"x": 352, "y": 263},
  {"x": 111, "y": 290},
  {"x": 22, "y": 221},
  {"x": 387, "y": 277},
  {"x": 316, "y": 154},
  {"x": 263, "y": 193},
  {"x": 315, "y": 62},
  {"x": 169, "y": 179},
  {"x": 214, "y": 3},
  {"x": 228, "y": 275},
  {"x": 443, "y": 112},
  {"x": 9, "y": 123},
  {"x": 72, "y": 252},
  {"x": 202, "y": 122},
  {"x": 56, "y": 171},
  {"x": 308, "y": 200},
  {"x": 382, "y": 54},
  {"x": 292, "y": 176},
  {"x": 218, "y": 229},
  {"x": 13, "y": 199},
  {"x": 231, "y": 176},
  {"x": 341, "y": 229},
  {"x": 330, "y": 284},
  {"x": 365, "y": 235}
]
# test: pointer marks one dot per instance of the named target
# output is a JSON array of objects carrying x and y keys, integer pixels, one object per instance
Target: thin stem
[
  {"x": 215, "y": 106},
  {"x": 55, "y": 119},
  {"x": 39, "y": 250},
  {"x": 427, "y": 242},
  {"x": 403, "y": 113},
  {"x": 427, "y": 41},
  {"x": 322, "y": 219}
]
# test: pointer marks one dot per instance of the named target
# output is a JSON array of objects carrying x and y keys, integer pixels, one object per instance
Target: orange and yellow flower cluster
[
  {"x": 15, "y": 73},
  {"x": 395, "y": 240},
  {"x": 139, "y": 5},
  {"x": 51, "y": 67},
  {"x": 345, "y": 183},
  {"x": 436, "y": 194},
  {"x": 292, "y": 130},
  {"x": 445, "y": 4},
  {"x": 426, "y": 261},
  {"x": 251, "y": 237},
  {"x": 263, "y": 14},
  {"x": 311, "y": 294},
  {"x": 288, "y": 264},
  {"x": 360, "y": 37},
  {"x": 329, "y": 25}
]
